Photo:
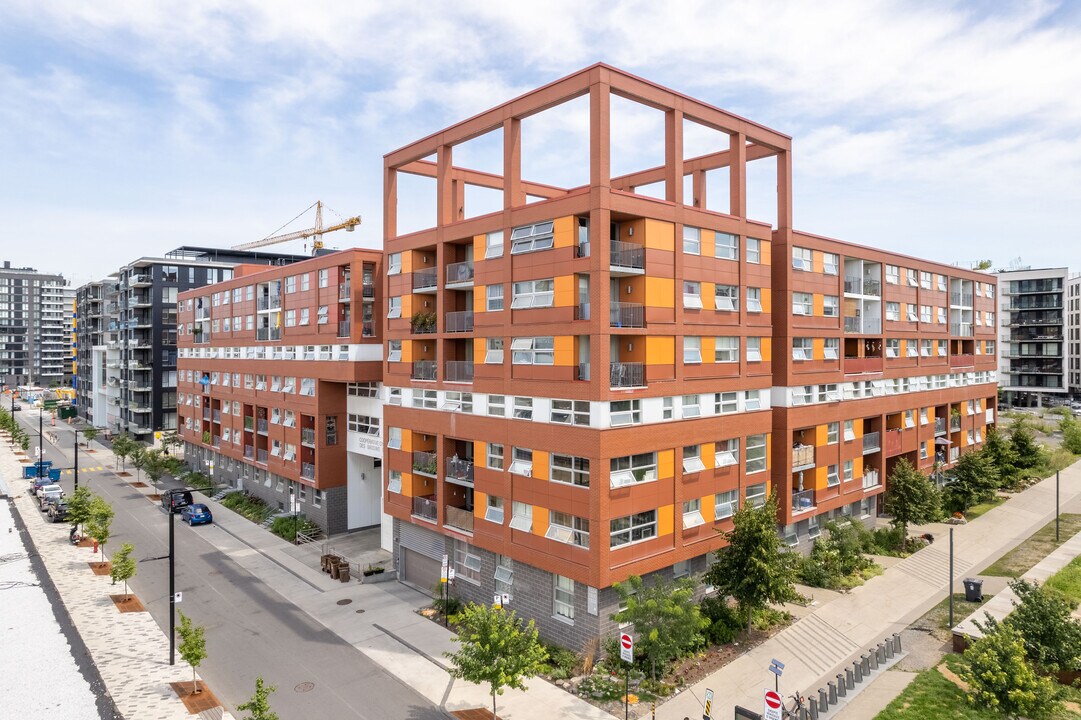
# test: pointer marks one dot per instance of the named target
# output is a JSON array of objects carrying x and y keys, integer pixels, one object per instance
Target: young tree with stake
[
  {"x": 99, "y": 523},
  {"x": 192, "y": 646},
  {"x": 259, "y": 704},
  {"x": 123, "y": 565}
]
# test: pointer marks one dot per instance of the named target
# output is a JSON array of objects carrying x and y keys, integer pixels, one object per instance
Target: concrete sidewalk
[{"x": 815, "y": 648}]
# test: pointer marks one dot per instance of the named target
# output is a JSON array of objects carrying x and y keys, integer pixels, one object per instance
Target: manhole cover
[
  {"x": 360, "y": 611},
  {"x": 304, "y": 687},
  {"x": 344, "y": 601}
]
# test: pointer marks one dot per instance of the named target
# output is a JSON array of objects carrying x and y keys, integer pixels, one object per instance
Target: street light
[{"x": 76, "y": 458}]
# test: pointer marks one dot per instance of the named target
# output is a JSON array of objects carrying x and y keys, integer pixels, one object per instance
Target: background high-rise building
[
  {"x": 1032, "y": 362},
  {"x": 35, "y": 327}
]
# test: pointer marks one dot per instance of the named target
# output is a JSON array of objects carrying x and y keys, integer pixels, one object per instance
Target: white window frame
[
  {"x": 493, "y": 298},
  {"x": 726, "y": 246},
  {"x": 692, "y": 350},
  {"x": 802, "y": 259},
  {"x": 527, "y": 294},
  {"x": 726, "y": 298},
  {"x": 726, "y": 349},
  {"x": 692, "y": 295},
  {"x": 726, "y": 453},
  {"x": 532, "y": 238},
  {"x": 493, "y": 351}
]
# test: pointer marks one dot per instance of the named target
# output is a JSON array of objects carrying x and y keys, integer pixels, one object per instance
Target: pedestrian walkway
[
  {"x": 129, "y": 649},
  {"x": 815, "y": 648}
]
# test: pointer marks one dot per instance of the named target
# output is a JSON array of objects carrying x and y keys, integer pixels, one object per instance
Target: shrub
[
  {"x": 1000, "y": 678},
  {"x": 444, "y": 602},
  {"x": 724, "y": 620},
  {"x": 283, "y": 526},
  {"x": 247, "y": 505},
  {"x": 764, "y": 619},
  {"x": 561, "y": 662}
]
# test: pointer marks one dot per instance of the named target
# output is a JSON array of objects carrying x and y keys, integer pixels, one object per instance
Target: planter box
[{"x": 385, "y": 576}]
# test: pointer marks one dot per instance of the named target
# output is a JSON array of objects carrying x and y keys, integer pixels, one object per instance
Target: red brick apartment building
[
  {"x": 585, "y": 384},
  {"x": 278, "y": 376}
]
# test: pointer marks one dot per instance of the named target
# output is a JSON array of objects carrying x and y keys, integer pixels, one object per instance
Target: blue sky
[{"x": 948, "y": 130}]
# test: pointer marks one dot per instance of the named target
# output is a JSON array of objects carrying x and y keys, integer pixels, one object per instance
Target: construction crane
[{"x": 317, "y": 231}]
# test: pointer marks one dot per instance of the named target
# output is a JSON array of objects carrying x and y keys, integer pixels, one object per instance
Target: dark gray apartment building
[
  {"x": 35, "y": 327},
  {"x": 126, "y": 335}
]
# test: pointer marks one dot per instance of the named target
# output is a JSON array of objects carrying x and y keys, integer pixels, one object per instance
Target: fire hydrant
[{"x": 95, "y": 546}]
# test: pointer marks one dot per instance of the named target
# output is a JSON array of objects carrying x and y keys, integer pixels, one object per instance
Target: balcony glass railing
[
  {"x": 940, "y": 426},
  {"x": 425, "y": 279},
  {"x": 872, "y": 442},
  {"x": 424, "y": 508},
  {"x": 344, "y": 328},
  {"x": 460, "y": 273},
  {"x": 249, "y": 452},
  {"x": 458, "y": 518},
  {"x": 424, "y": 370},
  {"x": 307, "y": 471},
  {"x": 270, "y": 302},
  {"x": 307, "y": 436},
  {"x": 261, "y": 455},
  {"x": 803, "y": 500},
  {"x": 628, "y": 255},
  {"x": 267, "y": 333},
  {"x": 345, "y": 292},
  {"x": 460, "y": 321},
  {"x": 425, "y": 463},
  {"x": 459, "y": 469},
  {"x": 459, "y": 371}
]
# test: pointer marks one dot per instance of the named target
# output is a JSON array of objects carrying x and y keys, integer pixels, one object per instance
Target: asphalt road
[{"x": 250, "y": 629}]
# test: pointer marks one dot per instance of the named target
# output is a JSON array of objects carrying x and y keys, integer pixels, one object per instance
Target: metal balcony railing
[
  {"x": 307, "y": 471},
  {"x": 261, "y": 455},
  {"x": 628, "y": 374},
  {"x": 249, "y": 452},
  {"x": 344, "y": 327},
  {"x": 368, "y": 291},
  {"x": 459, "y": 371},
  {"x": 270, "y": 302},
  {"x": 458, "y": 469},
  {"x": 425, "y": 279},
  {"x": 460, "y": 321},
  {"x": 425, "y": 509},
  {"x": 267, "y": 333},
  {"x": 628, "y": 315},
  {"x": 460, "y": 273},
  {"x": 249, "y": 422},
  {"x": 425, "y": 463},
  {"x": 871, "y": 479},
  {"x": 345, "y": 292},
  {"x": 803, "y": 500},
  {"x": 853, "y": 286},
  {"x": 627, "y": 255},
  {"x": 424, "y": 370},
  {"x": 940, "y": 426},
  {"x": 458, "y": 518},
  {"x": 307, "y": 436},
  {"x": 955, "y": 424},
  {"x": 961, "y": 329},
  {"x": 863, "y": 325},
  {"x": 961, "y": 299},
  {"x": 368, "y": 329},
  {"x": 262, "y": 425}
]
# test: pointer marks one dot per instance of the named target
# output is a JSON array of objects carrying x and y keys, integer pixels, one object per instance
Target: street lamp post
[{"x": 76, "y": 458}]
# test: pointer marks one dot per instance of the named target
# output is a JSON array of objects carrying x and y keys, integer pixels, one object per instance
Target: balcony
[
  {"x": 961, "y": 329},
  {"x": 368, "y": 291},
  {"x": 261, "y": 456},
  {"x": 249, "y": 452},
  {"x": 803, "y": 457},
  {"x": 368, "y": 329},
  {"x": 206, "y": 413},
  {"x": 460, "y": 274},
  {"x": 865, "y": 286},
  {"x": 307, "y": 471},
  {"x": 425, "y": 463},
  {"x": 424, "y": 509},
  {"x": 216, "y": 441},
  {"x": 461, "y": 321},
  {"x": 961, "y": 299},
  {"x": 249, "y": 422},
  {"x": 270, "y": 302},
  {"x": 424, "y": 370},
  {"x": 955, "y": 423},
  {"x": 940, "y": 426},
  {"x": 458, "y": 518},
  {"x": 871, "y": 479},
  {"x": 140, "y": 280},
  {"x": 345, "y": 292},
  {"x": 863, "y": 326},
  {"x": 262, "y": 425},
  {"x": 459, "y": 471},
  {"x": 803, "y": 501},
  {"x": 217, "y": 416},
  {"x": 581, "y": 372},
  {"x": 581, "y": 311},
  {"x": 891, "y": 444},
  {"x": 307, "y": 436},
  {"x": 855, "y": 365},
  {"x": 957, "y": 361},
  {"x": 627, "y": 315},
  {"x": 627, "y": 375},
  {"x": 459, "y": 371},
  {"x": 627, "y": 258},
  {"x": 425, "y": 280},
  {"x": 267, "y": 333},
  {"x": 344, "y": 328},
  {"x": 872, "y": 442}
]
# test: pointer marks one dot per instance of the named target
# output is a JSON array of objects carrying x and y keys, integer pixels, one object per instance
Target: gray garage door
[{"x": 419, "y": 571}]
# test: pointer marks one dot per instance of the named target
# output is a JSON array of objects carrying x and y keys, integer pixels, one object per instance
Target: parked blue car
[{"x": 197, "y": 514}]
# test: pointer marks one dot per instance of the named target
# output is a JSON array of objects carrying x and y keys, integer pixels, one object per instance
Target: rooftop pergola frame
[{"x": 747, "y": 142}]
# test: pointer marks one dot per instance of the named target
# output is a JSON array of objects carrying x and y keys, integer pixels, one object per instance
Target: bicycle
[{"x": 798, "y": 711}]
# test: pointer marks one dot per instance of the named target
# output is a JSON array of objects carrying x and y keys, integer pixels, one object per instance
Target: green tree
[
  {"x": 911, "y": 497},
  {"x": 1001, "y": 454},
  {"x": 139, "y": 459},
  {"x": 1051, "y": 635},
  {"x": 971, "y": 481},
  {"x": 89, "y": 434},
  {"x": 79, "y": 506},
  {"x": 154, "y": 464},
  {"x": 192, "y": 646},
  {"x": 1028, "y": 453},
  {"x": 999, "y": 677},
  {"x": 259, "y": 704},
  {"x": 123, "y": 447},
  {"x": 123, "y": 565},
  {"x": 1071, "y": 434},
  {"x": 665, "y": 617},
  {"x": 99, "y": 523},
  {"x": 169, "y": 439},
  {"x": 496, "y": 649},
  {"x": 755, "y": 567}
]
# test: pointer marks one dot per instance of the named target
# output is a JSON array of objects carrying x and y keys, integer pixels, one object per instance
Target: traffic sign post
[
  {"x": 777, "y": 668},
  {"x": 707, "y": 705},
  {"x": 444, "y": 591},
  {"x": 626, "y": 654},
  {"x": 771, "y": 706}
]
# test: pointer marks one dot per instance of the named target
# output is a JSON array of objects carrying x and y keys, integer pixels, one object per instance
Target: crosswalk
[{"x": 83, "y": 469}]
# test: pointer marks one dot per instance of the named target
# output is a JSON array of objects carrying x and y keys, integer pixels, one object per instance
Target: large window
[
  {"x": 754, "y": 349},
  {"x": 692, "y": 459},
  {"x": 570, "y": 470},
  {"x": 830, "y": 263},
  {"x": 725, "y": 402},
  {"x": 563, "y": 598},
  {"x": 727, "y": 246},
  {"x": 633, "y": 528},
  {"x": 801, "y": 259},
  {"x": 567, "y": 528},
  {"x": 533, "y": 351},
  {"x": 530, "y": 238},
  {"x": 756, "y": 495},
  {"x": 726, "y": 350},
  {"x": 754, "y": 299},
  {"x": 754, "y": 251},
  {"x": 692, "y": 240},
  {"x": 533, "y": 294},
  {"x": 570, "y": 412},
  {"x": 692, "y": 295},
  {"x": 493, "y": 353},
  {"x": 493, "y": 244},
  {"x": 632, "y": 469},
  {"x": 726, "y": 297},
  {"x": 493, "y": 295},
  {"x": 756, "y": 453},
  {"x": 692, "y": 350},
  {"x": 726, "y": 453},
  {"x": 466, "y": 564},
  {"x": 725, "y": 504},
  {"x": 625, "y": 412},
  {"x": 521, "y": 516},
  {"x": 802, "y": 348},
  {"x": 495, "y": 456},
  {"x": 494, "y": 511},
  {"x": 523, "y": 462},
  {"x": 830, "y": 305},
  {"x": 802, "y": 303}
]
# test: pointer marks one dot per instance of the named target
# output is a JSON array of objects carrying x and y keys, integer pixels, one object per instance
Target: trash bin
[
  {"x": 343, "y": 572},
  {"x": 973, "y": 590}
]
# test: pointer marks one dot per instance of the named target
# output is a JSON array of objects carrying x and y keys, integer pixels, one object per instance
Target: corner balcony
[
  {"x": 628, "y": 375},
  {"x": 627, "y": 259},
  {"x": 803, "y": 501},
  {"x": 458, "y": 518},
  {"x": 627, "y": 315},
  {"x": 803, "y": 457}
]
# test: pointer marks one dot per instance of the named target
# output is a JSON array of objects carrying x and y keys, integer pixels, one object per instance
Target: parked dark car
[
  {"x": 196, "y": 514},
  {"x": 176, "y": 501},
  {"x": 58, "y": 511},
  {"x": 16, "y": 407}
]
